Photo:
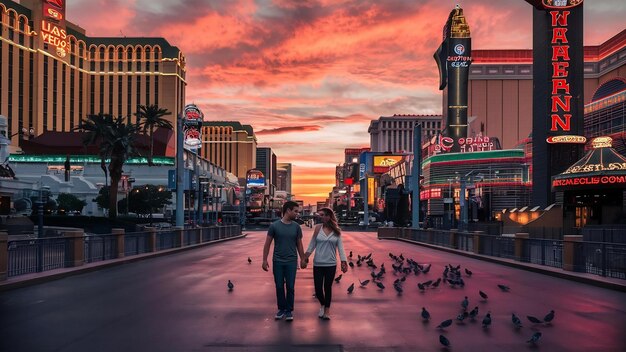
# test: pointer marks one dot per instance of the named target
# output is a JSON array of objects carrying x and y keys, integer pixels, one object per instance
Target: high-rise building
[
  {"x": 53, "y": 74},
  {"x": 266, "y": 163},
  {"x": 230, "y": 145},
  {"x": 283, "y": 177},
  {"x": 395, "y": 133}
]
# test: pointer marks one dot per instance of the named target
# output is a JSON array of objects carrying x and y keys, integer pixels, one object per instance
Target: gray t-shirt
[{"x": 286, "y": 238}]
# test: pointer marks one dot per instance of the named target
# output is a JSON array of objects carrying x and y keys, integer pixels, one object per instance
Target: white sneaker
[{"x": 321, "y": 313}]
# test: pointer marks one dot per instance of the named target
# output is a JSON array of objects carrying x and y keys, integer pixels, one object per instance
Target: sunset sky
[{"x": 310, "y": 75}]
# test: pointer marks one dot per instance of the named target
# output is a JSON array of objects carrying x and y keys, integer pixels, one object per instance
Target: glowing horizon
[{"x": 310, "y": 75}]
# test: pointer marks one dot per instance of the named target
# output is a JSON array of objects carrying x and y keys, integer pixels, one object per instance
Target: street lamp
[{"x": 462, "y": 200}]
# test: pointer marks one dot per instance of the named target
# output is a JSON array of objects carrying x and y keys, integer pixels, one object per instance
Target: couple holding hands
[{"x": 287, "y": 237}]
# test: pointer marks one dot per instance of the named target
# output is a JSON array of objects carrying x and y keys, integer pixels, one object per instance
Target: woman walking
[{"x": 326, "y": 241}]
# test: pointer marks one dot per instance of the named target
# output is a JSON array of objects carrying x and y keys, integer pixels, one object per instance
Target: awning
[{"x": 602, "y": 167}]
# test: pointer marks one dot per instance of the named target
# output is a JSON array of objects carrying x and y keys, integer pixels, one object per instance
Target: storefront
[{"x": 593, "y": 189}]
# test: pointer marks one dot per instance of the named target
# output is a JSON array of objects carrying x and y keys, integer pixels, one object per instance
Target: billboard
[
  {"x": 255, "y": 178},
  {"x": 382, "y": 163},
  {"x": 53, "y": 31},
  {"x": 192, "y": 127}
]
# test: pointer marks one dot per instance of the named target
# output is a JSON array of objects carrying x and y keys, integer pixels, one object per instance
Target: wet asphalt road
[{"x": 180, "y": 302}]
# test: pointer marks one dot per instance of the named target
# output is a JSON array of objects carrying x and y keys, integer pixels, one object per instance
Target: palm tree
[
  {"x": 151, "y": 117},
  {"x": 117, "y": 143},
  {"x": 96, "y": 126}
]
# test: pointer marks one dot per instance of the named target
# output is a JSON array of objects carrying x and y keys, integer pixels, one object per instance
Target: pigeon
[
  {"x": 398, "y": 288},
  {"x": 444, "y": 324},
  {"x": 421, "y": 286},
  {"x": 468, "y": 272},
  {"x": 444, "y": 341},
  {"x": 487, "y": 320},
  {"x": 461, "y": 317},
  {"x": 425, "y": 314},
  {"x": 548, "y": 318},
  {"x": 351, "y": 288},
  {"x": 403, "y": 279},
  {"x": 465, "y": 303},
  {"x": 249, "y": 260},
  {"x": 350, "y": 255},
  {"x": 436, "y": 283},
  {"x": 364, "y": 282},
  {"x": 230, "y": 286},
  {"x": 533, "y": 319},
  {"x": 483, "y": 295},
  {"x": 516, "y": 321},
  {"x": 427, "y": 283},
  {"x": 351, "y": 264},
  {"x": 473, "y": 313},
  {"x": 504, "y": 288},
  {"x": 338, "y": 278},
  {"x": 380, "y": 285},
  {"x": 533, "y": 339},
  {"x": 426, "y": 269}
]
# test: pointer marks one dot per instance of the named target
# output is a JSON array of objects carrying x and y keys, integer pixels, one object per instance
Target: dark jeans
[
  {"x": 285, "y": 275},
  {"x": 323, "y": 277}
]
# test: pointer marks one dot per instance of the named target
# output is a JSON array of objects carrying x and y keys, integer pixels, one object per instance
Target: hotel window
[
  {"x": 138, "y": 91},
  {"x": 148, "y": 59},
  {"x": 63, "y": 103},
  {"x": 110, "y": 82},
  {"x": 129, "y": 59},
  {"x": 120, "y": 59},
  {"x": 81, "y": 55},
  {"x": 80, "y": 96},
  {"x": 101, "y": 80},
  {"x": 92, "y": 58},
  {"x": 111, "y": 53},
  {"x": 156, "y": 90},
  {"x": 101, "y": 57},
  {"x": 31, "y": 79},
  {"x": 72, "y": 95},
  {"x": 92, "y": 93},
  {"x": 119, "y": 95},
  {"x": 55, "y": 82},
  {"x": 157, "y": 58},
  {"x": 20, "y": 108},
  {"x": 11, "y": 29},
  {"x": 129, "y": 94},
  {"x": 45, "y": 93},
  {"x": 147, "y": 90},
  {"x": 138, "y": 57},
  {"x": 10, "y": 98},
  {"x": 72, "y": 53}
]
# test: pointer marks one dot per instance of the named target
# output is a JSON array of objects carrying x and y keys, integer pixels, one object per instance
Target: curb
[
  {"x": 56, "y": 274},
  {"x": 557, "y": 272}
]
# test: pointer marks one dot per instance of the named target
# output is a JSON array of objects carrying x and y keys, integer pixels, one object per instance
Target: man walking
[{"x": 287, "y": 237}]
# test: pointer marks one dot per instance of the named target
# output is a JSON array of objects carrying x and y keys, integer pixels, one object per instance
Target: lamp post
[
  {"x": 463, "y": 201},
  {"x": 180, "y": 196}
]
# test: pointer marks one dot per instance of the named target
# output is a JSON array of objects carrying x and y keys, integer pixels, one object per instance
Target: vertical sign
[
  {"x": 53, "y": 30},
  {"x": 453, "y": 59},
  {"x": 558, "y": 100},
  {"x": 192, "y": 127}
]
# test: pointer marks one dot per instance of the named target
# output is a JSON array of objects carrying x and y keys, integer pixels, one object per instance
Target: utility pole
[{"x": 415, "y": 175}]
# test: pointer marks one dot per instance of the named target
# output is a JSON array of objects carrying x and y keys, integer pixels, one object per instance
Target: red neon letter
[
  {"x": 558, "y": 33},
  {"x": 562, "y": 123},
  {"x": 559, "y": 69},
  {"x": 560, "y": 83},
  {"x": 560, "y": 51},
  {"x": 564, "y": 104},
  {"x": 559, "y": 18}
]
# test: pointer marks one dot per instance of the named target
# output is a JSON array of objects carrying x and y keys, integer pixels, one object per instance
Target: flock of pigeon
[{"x": 451, "y": 276}]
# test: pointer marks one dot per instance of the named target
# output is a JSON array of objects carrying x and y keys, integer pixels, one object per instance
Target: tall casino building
[{"x": 52, "y": 74}]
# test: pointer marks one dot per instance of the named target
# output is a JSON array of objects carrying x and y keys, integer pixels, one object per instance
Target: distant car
[{"x": 163, "y": 225}]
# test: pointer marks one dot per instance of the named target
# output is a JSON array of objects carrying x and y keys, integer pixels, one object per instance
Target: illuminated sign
[
  {"x": 192, "y": 127},
  {"x": 606, "y": 102},
  {"x": 589, "y": 181},
  {"x": 560, "y": 119},
  {"x": 382, "y": 163},
  {"x": 602, "y": 142},
  {"x": 255, "y": 178},
  {"x": 560, "y": 4},
  {"x": 53, "y": 30},
  {"x": 465, "y": 145},
  {"x": 566, "y": 139},
  {"x": 595, "y": 167}
]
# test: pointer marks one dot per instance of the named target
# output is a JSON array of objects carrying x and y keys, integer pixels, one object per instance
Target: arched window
[{"x": 148, "y": 58}]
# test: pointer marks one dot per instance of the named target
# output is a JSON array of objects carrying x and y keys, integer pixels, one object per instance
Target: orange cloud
[{"x": 282, "y": 130}]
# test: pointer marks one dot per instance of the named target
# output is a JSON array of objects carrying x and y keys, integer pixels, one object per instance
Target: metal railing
[
  {"x": 37, "y": 255},
  {"x": 27, "y": 256},
  {"x": 100, "y": 247},
  {"x": 600, "y": 258}
]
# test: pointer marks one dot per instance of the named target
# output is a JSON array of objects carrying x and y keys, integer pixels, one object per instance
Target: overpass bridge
[{"x": 180, "y": 302}]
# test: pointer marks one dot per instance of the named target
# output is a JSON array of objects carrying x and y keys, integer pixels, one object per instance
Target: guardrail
[
  {"x": 571, "y": 253},
  {"x": 26, "y": 256}
]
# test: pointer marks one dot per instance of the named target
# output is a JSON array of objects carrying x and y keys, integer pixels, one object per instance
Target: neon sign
[
  {"x": 561, "y": 98},
  {"x": 478, "y": 143},
  {"x": 561, "y": 4},
  {"x": 53, "y": 30},
  {"x": 589, "y": 181},
  {"x": 566, "y": 139},
  {"x": 602, "y": 142}
]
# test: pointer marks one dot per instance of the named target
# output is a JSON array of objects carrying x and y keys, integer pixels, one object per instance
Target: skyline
[{"x": 305, "y": 74}]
